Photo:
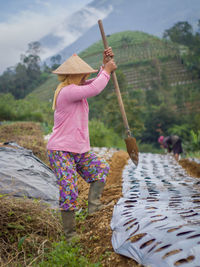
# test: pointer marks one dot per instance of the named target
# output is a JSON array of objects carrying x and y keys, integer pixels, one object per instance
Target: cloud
[
  {"x": 28, "y": 26},
  {"x": 18, "y": 32},
  {"x": 70, "y": 30}
]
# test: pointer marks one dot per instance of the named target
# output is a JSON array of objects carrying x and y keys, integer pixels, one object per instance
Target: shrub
[
  {"x": 149, "y": 148},
  {"x": 6, "y": 107},
  {"x": 30, "y": 116},
  {"x": 194, "y": 144},
  {"x": 182, "y": 131},
  {"x": 100, "y": 136},
  {"x": 64, "y": 254}
]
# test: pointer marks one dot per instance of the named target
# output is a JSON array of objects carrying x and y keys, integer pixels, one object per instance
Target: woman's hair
[{"x": 66, "y": 80}]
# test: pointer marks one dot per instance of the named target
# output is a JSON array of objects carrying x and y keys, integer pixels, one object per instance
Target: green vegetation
[
  {"x": 101, "y": 136},
  {"x": 131, "y": 47},
  {"x": 65, "y": 255},
  {"x": 32, "y": 235},
  {"x": 124, "y": 39},
  {"x": 26, "y": 75},
  {"x": 158, "y": 79},
  {"x": 25, "y": 110},
  {"x": 182, "y": 33},
  {"x": 45, "y": 91},
  {"x": 160, "y": 85},
  {"x": 149, "y": 148}
]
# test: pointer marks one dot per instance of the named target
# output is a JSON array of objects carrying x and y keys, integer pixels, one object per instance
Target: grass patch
[
  {"x": 27, "y": 230},
  {"x": 149, "y": 148},
  {"x": 195, "y": 154},
  {"x": 32, "y": 236},
  {"x": 66, "y": 255}
]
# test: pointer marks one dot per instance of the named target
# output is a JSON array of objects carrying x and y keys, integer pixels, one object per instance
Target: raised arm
[
  {"x": 91, "y": 80},
  {"x": 78, "y": 92},
  {"x": 107, "y": 56}
]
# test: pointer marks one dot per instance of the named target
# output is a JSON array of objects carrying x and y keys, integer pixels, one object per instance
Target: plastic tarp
[
  {"x": 24, "y": 175},
  {"x": 157, "y": 221}
]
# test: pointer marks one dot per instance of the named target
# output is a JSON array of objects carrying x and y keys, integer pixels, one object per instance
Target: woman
[
  {"x": 172, "y": 143},
  {"x": 69, "y": 147}
]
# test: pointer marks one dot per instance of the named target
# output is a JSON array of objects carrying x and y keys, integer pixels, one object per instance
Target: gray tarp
[
  {"x": 157, "y": 221},
  {"x": 23, "y": 174}
]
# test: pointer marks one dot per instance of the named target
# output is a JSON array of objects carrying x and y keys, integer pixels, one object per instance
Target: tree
[
  {"x": 21, "y": 81},
  {"x": 125, "y": 41},
  {"x": 113, "y": 118},
  {"x": 110, "y": 113},
  {"x": 181, "y": 33},
  {"x": 34, "y": 48},
  {"x": 55, "y": 61},
  {"x": 152, "y": 97},
  {"x": 25, "y": 76},
  {"x": 158, "y": 120},
  {"x": 7, "y": 83},
  {"x": 32, "y": 60}
]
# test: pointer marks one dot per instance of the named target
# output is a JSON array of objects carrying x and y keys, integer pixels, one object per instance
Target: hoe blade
[{"x": 132, "y": 149}]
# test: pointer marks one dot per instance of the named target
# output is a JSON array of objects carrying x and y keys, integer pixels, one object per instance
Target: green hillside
[
  {"x": 130, "y": 44},
  {"x": 144, "y": 60},
  {"x": 45, "y": 91},
  {"x": 158, "y": 91}
]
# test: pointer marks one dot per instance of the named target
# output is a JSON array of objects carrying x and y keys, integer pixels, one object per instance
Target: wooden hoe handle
[{"x": 114, "y": 77}]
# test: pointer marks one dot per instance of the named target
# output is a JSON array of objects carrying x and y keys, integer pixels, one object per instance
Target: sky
[{"x": 25, "y": 21}]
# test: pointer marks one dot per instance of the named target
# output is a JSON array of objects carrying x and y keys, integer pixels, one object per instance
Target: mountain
[
  {"x": 72, "y": 28},
  {"x": 80, "y": 30}
]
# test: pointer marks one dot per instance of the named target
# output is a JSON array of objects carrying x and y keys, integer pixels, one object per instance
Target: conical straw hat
[{"x": 74, "y": 65}]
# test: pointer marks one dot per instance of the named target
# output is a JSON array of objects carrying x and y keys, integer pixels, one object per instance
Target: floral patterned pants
[{"x": 66, "y": 165}]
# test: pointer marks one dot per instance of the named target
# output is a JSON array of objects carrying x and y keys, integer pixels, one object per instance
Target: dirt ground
[
  {"x": 95, "y": 232},
  {"x": 26, "y": 134},
  {"x": 191, "y": 167}
]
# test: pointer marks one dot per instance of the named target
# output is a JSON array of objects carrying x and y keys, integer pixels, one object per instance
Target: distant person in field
[
  {"x": 69, "y": 146},
  {"x": 172, "y": 143}
]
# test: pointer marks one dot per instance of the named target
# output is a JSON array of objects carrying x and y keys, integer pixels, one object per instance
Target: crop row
[{"x": 135, "y": 53}]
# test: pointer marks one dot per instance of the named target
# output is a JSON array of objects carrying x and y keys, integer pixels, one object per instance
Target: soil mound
[
  {"x": 191, "y": 167},
  {"x": 26, "y": 228},
  {"x": 95, "y": 231},
  {"x": 26, "y": 134}
]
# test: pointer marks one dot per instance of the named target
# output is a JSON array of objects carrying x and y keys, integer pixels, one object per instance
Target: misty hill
[{"x": 80, "y": 30}]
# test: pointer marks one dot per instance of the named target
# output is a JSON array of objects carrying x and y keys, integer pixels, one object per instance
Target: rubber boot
[
  {"x": 69, "y": 224},
  {"x": 94, "y": 203}
]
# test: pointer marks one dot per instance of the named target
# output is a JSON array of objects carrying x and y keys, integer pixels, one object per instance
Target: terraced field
[
  {"x": 143, "y": 76},
  {"x": 144, "y": 59}
]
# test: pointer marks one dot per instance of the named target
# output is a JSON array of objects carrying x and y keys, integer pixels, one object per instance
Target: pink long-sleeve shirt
[{"x": 70, "y": 131}]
